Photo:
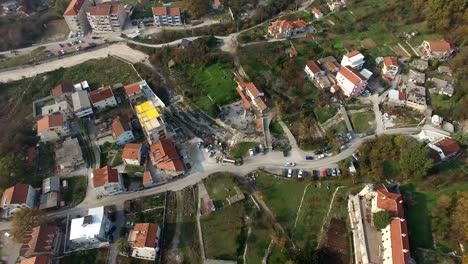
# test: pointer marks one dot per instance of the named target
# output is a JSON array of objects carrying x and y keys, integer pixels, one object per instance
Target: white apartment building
[
  {"x": 354, "y": 59},
  {"x": 16, "y": 198},
  {"x": 75, "y": 16},
  {"x": 60, "y": 107},
  {"x": 90, "y": 229},
  {"x": 351, "y": 82},
  {"x": 81, "y": 104},
  {"x": 143, "y": 239},
  {"x": 107, "y": 17},
  {"x": 167, "y": 16}
]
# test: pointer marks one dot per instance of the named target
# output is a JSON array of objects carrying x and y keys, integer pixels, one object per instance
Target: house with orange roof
[
  {"x": 167, "y": 16},
  {"x": 102, "y": 98},
  {"x": 313, "y": 69},
  {"x": 144, "y": 240},
  {"x": 107, "y": 181},
  {"x": 351, "y": 82},
  {"x": 75, "y": 16},
  {"x": 52, "y": 127},
  {"x": 251, "y": 95},
  {"x": 164, "y": 156},
  {"x": 134, "y": 91},
  {"x": 388, "y": 245},
  {"x": 107, "y": 17},
  {"x": 286, "y": 28},
  {"x": 437, "y": 50},
  {"x": 147, "y": 179},
  {"x": 62, "y": 91},
  {"x": 16, "y": 198},
  {"x": 41, "y": 259},
  {"x": 132, "y": 154},
  {"x": 355, "y": 59},
  {"x": 390, "y": 67},
  {"x": 443, "y": 149},
  {"x": 317, "y": 13},
  {"x": 121, "y": 131},
  {"x": 43, "y": 240}
]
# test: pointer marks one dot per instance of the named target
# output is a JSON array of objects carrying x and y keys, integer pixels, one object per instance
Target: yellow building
[{"x": 151, "y": 121}]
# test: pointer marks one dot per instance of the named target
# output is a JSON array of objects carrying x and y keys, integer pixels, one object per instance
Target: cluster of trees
[
  {"x": 24, "y": 220},
  {"x": 381, "y": 219},
  {"x": 449, "y": 221},
  {"x": 411, "y": 156},
  {"x": 197, "y": 8}
]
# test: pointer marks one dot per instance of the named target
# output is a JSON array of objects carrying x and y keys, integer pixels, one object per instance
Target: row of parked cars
[{"x": 316, "y": 174}]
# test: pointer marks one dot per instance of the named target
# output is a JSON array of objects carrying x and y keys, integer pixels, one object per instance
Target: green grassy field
[
  {"x": 216, "y": 86},
  {"x": 324, "y": 113},
  {"x": 76, "y": 191},
  {"x": 240, "y": 149},
  {"x": 259, "y": 239},
  {"x": 339, "y": 127},
  {"x": 275, "y": 128},
  {"x": 34, "y": 56},
  {"x": 221, "y": 230},
  {"x": 221, "y": 186},
  {"x": 363, "y": 122}
]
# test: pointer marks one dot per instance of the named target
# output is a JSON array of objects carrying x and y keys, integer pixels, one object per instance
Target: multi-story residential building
[
  {"x": 164, "y": 156},
  {"x": 286, "y": 28},
  {"x": 62, "y": 92},
  {"x": 43, "y": 240},
  {"x": 167, "y": 16},
  {"x": 121, "y": 131},
  {"x": 390, "y": 67},
  {"x": 61, "y": 107},
  {"x": 143, "y": 239},
  {"x": 91, "y": 229},
  {"x": 107, "y": 17},
  {"x": 134, "y": 91},
  {"x": 16, "y": 198},
  {"x": 313, "y": 70},
  {"x": 52, "y": 127},
  {"x": 102, "y": 98},
  {"x": 75, "y": 16},
  {"x": 107, "y": 181},
  {"x": 81, "y": 104},
  {"x": 132, "y": 154},
  {"x": 351, "y": 82},
  {"x": 151, "y": 121},
  {"x": 443, "y": 149},
  {"x": 438, "y": 50},
  {"x": 354, "y": 59},
  {"x": 389, "y": 245},
  {"x": 248, "y": 90}
]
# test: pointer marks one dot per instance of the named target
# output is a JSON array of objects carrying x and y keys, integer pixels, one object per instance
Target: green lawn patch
[
  {"x": 275, "y": 128},
  {"x": 221, "y": 186},
  {"x": 215, "y": 85},
  {"x": 391, "y": 169},
  {"x": 221, "y": 231},
  {"x": 282, "y": 196},
  {"x": 339, "y": 127},
  {"x": 98, "y": 256},
  {"x": 363, "y": 122},
  {"x": 240, "y": 149},
  {"x": 132, "y": 169},
  {"x": 259, "y": 239},
  {"x": 76, "y": 191},
  {"x": 324, "y": 113}
]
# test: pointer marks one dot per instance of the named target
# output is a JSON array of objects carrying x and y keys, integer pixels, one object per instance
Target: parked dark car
[
  {"x": 325, "y": 149},
  {"x": 329, "y": 172},
  {"x": 309, "y": 158},
  {"x": 318, "y": 152},
  {"x": 285, "y": 153},
  {"x": 315, "y": 173}
]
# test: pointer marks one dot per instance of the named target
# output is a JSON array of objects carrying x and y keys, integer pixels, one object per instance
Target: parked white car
[
  {"x": 290, "y": 164},
  {"x": 290, "y": 171}
]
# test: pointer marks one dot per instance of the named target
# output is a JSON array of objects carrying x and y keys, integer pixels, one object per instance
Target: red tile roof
[
  {"x": 440, "y": 46},
  {"x": 352, "y": 75},
  {"x": 353, "y": 53},
  {"x": 400, "y": 241},
  {"x": 168, "y": 11},
  {"x": 286, "y": 24},
  {"x": 101, "y": 94},
  {"x": 114, "y": 8},
  {"x": 74, "y": 7},
  {"x": 119, "y": 126},
  {"x": 391, "y": 202},
  {"x": 53, "y": 120},
  {"x": 402, "y": 96},
  {"x": 250, "y": 86},
  {"x": 165, "y": 157},
  {"x": 105, "y": 175},
  {"x": 103, "y": 9},
  {"x": 261, "y": 103},
  {"x": 313, "y": 66},
  {"x": 147, "y": 177},
  {"x": 145, "y": 235},
  {"x": 390, "y": 61},
  {"x": 448, "y": 146},
  {"x": 245, "y": 101},
  {"x": 317, "y": 11},
  {"x": 132, "y": 151},
  {"x": 40, "y": 240},
  {"x": 17, "y": 194},
  {"x": 42, "y": 259},
  {"x": 331, "y": 66},
  {"x": 239, "y": 80},
  {"x": 132, "y": 88},
  {"x": 63, "y": 88}
]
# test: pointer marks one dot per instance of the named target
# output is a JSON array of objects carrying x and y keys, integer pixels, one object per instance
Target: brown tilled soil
[
  {"x": 368, "y": 43},
  {"x": 336, "y": 246}
]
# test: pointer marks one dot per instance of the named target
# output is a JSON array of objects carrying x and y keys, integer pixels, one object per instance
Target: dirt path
[
  {"x": 246, "y": 244},
  {"x": 267, "y": 252},
  {"x": 329, "y": 209},
  {"x": 300, "y": 205},
  {"x": 200, "y": 234},
  {"x": 175, "y": 239}
]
